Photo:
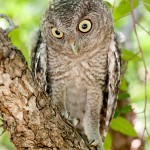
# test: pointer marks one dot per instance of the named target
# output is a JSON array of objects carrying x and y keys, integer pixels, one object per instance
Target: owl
[{"x": 77, "y": 62}]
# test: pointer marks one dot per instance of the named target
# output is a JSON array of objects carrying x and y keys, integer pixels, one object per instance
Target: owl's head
[{"x": 73, "y": 27}]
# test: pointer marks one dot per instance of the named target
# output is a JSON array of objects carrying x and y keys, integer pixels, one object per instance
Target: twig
[
  {"x": 143, "y": 58},
  {"x": 143, "y": 28},
  {"x": 12, "y": 26}
]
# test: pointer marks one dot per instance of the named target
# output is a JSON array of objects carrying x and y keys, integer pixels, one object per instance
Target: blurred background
[{"x": 132, "y": 116}]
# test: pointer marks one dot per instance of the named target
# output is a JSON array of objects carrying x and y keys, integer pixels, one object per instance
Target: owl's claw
[
  {"x": 65, "y": 114},
  {"x": 97, "y": 145},
  {"x": 75, "y": 121}
]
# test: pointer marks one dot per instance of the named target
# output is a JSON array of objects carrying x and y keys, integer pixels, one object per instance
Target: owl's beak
[{"x": 74, "y": 48}]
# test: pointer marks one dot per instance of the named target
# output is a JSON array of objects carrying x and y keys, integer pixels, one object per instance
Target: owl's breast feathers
[{"x": 88, "y": 70}]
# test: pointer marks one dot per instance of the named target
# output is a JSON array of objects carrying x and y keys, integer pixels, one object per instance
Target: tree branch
[{"x": 27, "y": 111}]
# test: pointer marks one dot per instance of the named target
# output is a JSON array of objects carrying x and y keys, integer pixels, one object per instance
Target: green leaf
[
  {"x": 123, "y": 110},
  {"x": 123, "y": 126},
  {"x": 128, "y": 55},
  {"x": 147, "y": 4},
  {"x": 123, "y": 85},
  {"x": 124, "y": 8},
  {"x": 123, "y": 96},
  {"x": 126, "y": 109},
  {"x": 108, "y": 142},
  {"x": 5, "y": 142},
  {"x": 148, "y": 138},
  {"x": 108, "y": 4}
]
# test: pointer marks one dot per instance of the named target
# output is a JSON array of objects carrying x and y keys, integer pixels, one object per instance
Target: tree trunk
[{"x": 27, "y": 111}]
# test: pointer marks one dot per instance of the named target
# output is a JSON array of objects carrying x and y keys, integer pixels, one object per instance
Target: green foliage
[
  {"x": 123, "y": 96},
  {"x": 123, "y": 8},
  {"x": 122, "y": 125},
  {"x": 123, "y": 85},
  {"x": 108, "y": 4},
  {"x": 27, "y": 13},
  {"x": 128, "y": 55},
  {"x": 123, "y": 110},
  {"x": 5, "y": 143},
  {"x": 132, "y": 85},
  {"x": 147, "y": 4},
  {"x": 108, "y": 142}
]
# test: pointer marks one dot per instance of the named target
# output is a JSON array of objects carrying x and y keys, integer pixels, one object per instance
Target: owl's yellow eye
[
  {"x": 57, "y": 33},
  {"x": 85, "y": 26}
]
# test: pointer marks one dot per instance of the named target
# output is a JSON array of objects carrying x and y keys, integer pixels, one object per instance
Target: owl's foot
[
  {"x": 74, "y": 121},
  {"x": 97, "y": 144},
  {"x": 95, "y": 141},
  {"x": 67, "y": 116}
]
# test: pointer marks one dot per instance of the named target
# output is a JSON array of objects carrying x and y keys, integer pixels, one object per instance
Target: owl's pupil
[
  {"x": 57, "y": 32},
  {"x": 84, "y": 26}
]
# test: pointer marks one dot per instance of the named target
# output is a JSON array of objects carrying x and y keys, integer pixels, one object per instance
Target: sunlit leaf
[
  {"x": 122, "y": 125},
  {"x": 5, "y": 142},
  {"x": 148, "y": 138},
  {"x": 108, "y": 4},
  {"x": 147, "y": 4},
  {"x": 128, "y": 55},
  {"x": 124, "y": 8},
  {"x": 123, "y": 96},
  {"x": 108, "y": 142},
  {"x": 123, "y": 110},
  {"x": 123, "y": 85}
]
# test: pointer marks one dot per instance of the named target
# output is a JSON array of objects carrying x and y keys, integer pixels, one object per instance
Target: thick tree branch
[{"x": 28, "y": 113}]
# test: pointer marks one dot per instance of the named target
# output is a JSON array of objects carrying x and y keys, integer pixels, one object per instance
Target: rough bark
[{"x": 27, "y": 112}]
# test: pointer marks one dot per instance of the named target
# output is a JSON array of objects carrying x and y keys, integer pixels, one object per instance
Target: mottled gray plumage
[{"x": 83, "y": 85}]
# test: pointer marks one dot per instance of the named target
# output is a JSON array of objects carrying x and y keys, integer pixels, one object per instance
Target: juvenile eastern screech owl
[{"x": 76, "y": 60}]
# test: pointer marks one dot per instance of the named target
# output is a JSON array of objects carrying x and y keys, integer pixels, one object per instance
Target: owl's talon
[
  {"x": 74, "y": 121},
  {"x": 95, "y": 141},
  {"x": 96, "y": 144},
  {"x": 91, "y": 143},
  {"x": 65, "y": 114}
]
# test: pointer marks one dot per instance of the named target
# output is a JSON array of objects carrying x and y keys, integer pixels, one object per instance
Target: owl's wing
[
  {"x": 111, "y": 92},
  {"x": 39, "y": 61}
]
